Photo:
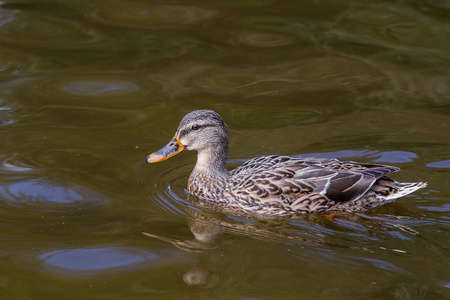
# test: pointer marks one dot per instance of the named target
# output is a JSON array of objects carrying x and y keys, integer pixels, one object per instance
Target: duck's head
[{"x": 201, "y": 130}]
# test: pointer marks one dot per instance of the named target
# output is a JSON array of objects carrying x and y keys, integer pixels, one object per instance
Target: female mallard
[{"x": 277, "y": 185}]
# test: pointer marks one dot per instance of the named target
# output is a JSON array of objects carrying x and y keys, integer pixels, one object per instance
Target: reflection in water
[
  {"x": 381, "y": 156},
  {"x": 14, "y": 165},
  {"x": 95, "y": 259},
  {"x": 385, "y": 265},
  {"x": 47, "y": 194},
  {"x": 395, "y": 156},
  {"x": 197, "y": 276},
  {"x": 208, "y": 235},
  {"x": 309, "y": 237},
  {"x": 440, "y": 164}
]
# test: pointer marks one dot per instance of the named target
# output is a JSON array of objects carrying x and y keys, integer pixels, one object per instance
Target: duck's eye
[{"x": 195, "y": 127}]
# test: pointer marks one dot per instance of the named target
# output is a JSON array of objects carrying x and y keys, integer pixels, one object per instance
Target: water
[{"x": 89, "y": 88}]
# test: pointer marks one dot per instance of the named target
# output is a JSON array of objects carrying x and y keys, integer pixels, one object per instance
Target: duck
[{"x": 277, "y": 185}]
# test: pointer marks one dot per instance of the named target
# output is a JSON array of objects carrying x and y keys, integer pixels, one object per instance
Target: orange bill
[{"x": 169, "y": 150}]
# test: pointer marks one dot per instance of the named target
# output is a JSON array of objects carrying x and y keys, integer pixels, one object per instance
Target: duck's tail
[
  {"x": 404, "y": 189},
  {"x": 384, "y": 191}
]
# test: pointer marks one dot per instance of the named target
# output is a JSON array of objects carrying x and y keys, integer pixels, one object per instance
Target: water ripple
[
  {"x": 296, "y": 26},
  {"x": 392, "y": 26},
  {"x": 56, "y": 159},
  {"x": 87, "y": 100},
  {"x": 277, "y": 79},
  {"x": 12, "y": 62},
  {"x": 43, "y": 31},
  {"x": 99, "y": 88},
  {"x": 384, "y": 265},
  {"x": 262, "y": 39},
  {"x": 272, "y": 118},
  {"x": 167, "y": 188},
  {"x": 92, "y": 86},
  {"x": 146, "y": 15},
  {"x": 437, "y": 87},
  {"x": 87, "y": 117}
]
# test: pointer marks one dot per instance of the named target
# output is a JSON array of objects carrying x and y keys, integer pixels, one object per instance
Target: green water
[{"x": 89, "y": 88}]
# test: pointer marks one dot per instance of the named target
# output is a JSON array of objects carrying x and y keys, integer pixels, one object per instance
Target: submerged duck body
[{"x": 276, "y": 185}]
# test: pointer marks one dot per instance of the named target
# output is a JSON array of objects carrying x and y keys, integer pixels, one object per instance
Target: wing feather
[{"x": 289, "y": 178}]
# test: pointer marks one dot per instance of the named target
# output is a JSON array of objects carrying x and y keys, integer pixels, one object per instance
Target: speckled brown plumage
[{"x": 277, "y": 185}]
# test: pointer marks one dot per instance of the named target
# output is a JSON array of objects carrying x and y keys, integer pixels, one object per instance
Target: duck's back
[{"x": 288, "y": 179}]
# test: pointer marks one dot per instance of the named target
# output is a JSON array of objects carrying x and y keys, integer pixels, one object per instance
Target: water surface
[{"x": 90, "y": 88}]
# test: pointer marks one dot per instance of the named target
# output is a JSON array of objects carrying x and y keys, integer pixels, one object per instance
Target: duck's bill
[{"x": 169, "y": 150}]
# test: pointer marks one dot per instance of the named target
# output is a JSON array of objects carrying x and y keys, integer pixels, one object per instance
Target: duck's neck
[
  {"x": 209, "y": 177},
  {"x": 212, "y": 161}
]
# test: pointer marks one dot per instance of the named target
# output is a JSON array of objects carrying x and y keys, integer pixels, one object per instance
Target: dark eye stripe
[{"x": 186, "y": 131}]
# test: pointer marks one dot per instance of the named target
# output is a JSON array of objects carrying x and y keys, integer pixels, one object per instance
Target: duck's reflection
[
  {"x": 313, "y": 233},
  {"x": 208, "y": 227},
  {"x": 207, "y": 235},
  {"x": 209, "y": 224},
  {"x": 197, "y": 276}
]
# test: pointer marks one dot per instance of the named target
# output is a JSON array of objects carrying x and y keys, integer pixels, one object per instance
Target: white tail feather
[{"x": 406, "y": 188}]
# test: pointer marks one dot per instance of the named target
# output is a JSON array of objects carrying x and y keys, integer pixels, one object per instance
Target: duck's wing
[
  {"x": 289, "y": 178},
  {"x": 345, "y": 180}
]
